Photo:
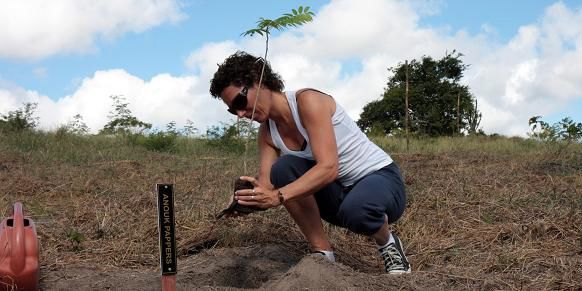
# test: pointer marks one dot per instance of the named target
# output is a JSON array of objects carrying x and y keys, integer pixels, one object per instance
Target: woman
[{"x": 314, "y": 160}]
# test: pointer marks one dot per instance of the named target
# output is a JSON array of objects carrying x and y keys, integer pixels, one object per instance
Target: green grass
[
  {"x": 498, "y": 145},
  {"x": 48, "y": 147}
]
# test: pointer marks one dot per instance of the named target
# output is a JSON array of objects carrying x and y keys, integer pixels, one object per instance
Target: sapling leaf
[{"x": 264, "y": 26}]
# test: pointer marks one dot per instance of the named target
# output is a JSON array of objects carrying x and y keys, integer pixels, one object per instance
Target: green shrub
[
  {"x": 558, "y": 137},
  {"x": 20, "y": 119},
  {"x": 230, "y": 136},
  {"x": 159, "y": 141},
  {"x": 564, "y": 130}
]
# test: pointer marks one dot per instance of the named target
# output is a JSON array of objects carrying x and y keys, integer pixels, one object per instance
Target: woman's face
[{"x": 240, "y": 101}]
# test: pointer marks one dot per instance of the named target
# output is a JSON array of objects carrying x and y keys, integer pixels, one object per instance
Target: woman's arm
[
  {"x": 316, "y": 111},
  {"x": 263, "y": 194},
  {"x": 268, "y": 155}
]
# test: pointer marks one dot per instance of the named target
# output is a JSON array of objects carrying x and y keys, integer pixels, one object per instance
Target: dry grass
[{"x": 482, "y": 213}]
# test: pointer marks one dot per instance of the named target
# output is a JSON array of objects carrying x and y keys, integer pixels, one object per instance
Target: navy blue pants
[{"x": 360, "y": 207}]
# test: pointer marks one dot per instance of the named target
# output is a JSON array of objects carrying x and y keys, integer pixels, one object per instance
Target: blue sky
[
  {"x": 161, "y": 49},
  {"x": 176, "y": 42},
  {"x": 502, "y": 15}
]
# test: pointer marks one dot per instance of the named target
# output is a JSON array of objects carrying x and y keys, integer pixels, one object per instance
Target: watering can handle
[{"x": 17, "y": 246}]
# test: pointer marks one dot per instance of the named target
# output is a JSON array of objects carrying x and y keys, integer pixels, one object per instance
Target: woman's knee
[
  {"x": 360, "y": 220},
  {"x": 289, "y": 168}
]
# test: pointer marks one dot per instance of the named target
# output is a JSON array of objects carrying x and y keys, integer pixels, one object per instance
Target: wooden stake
[
  {"x": 406, "y": 97},
  {"x": 166, "y": 230},
  {"x": 168, "y": 282}
]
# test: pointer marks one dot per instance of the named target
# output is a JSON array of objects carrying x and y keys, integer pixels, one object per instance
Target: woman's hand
[{"x": 260, "y": 196}]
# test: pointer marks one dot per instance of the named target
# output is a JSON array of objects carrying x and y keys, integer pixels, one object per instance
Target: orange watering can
[{"x": 19, "y": 261}]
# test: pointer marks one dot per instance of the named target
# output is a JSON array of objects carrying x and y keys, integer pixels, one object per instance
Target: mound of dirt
[{"x": 269, "y": 267}]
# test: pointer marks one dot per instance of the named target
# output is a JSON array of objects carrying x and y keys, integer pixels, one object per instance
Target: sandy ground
[{"x": 268, "y": 267}]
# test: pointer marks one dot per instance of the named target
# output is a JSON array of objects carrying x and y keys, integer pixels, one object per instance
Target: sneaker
[
  {"x": 394, "y": 258},
  {"x": 328, "y": 255}
]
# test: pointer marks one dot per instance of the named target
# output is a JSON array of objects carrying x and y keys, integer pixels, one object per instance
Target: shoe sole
[{"x": 400, "y": 272}]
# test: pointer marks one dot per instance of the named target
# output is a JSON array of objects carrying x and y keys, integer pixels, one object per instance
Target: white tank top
[{"x": 357, "y": 155}]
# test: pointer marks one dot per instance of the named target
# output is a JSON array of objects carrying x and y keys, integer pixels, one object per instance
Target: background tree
[
  {"x": 121, "y": 120},
  {"x": 77, "y": 125},
  {"x": 474, "y": 120},
  {"x": 434, "y": 89},
  {"x": 189, "y": 128},
  {"x": 20, "y": 119},
  {"x": 171, "y": 128}
]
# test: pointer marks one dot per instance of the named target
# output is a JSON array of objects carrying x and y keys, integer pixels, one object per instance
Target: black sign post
[{"x": 166, "y": 229}]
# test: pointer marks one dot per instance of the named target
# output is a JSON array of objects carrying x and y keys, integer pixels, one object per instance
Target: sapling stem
[
  {"x": 296, "y": 18},
  {"x": 255, "y": 103}
]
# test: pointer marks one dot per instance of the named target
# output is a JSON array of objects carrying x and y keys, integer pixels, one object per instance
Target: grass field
[{"x": 483, "y": 212}]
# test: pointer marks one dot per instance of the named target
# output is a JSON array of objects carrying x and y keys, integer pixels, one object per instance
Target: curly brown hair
[{"x": 244, "y": 69}]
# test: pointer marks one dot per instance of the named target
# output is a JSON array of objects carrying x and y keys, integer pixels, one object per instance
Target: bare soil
[{"x": 267, "y": 267}]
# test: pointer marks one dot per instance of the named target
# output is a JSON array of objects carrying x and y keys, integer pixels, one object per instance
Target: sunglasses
[{"x": 239, "y": 102}]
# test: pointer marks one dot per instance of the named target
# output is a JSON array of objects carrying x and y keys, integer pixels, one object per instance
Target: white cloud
[
  {"x": 521, "y": 78},
  {"x": 160, "y": 100},
  {"x": 39, "y": 28},
  {"x": 535, "y": 73},
  {"x": 205, "y": 60}
]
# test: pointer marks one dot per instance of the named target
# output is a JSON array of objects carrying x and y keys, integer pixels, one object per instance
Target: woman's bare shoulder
[{"x": 309, "y": 99}]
